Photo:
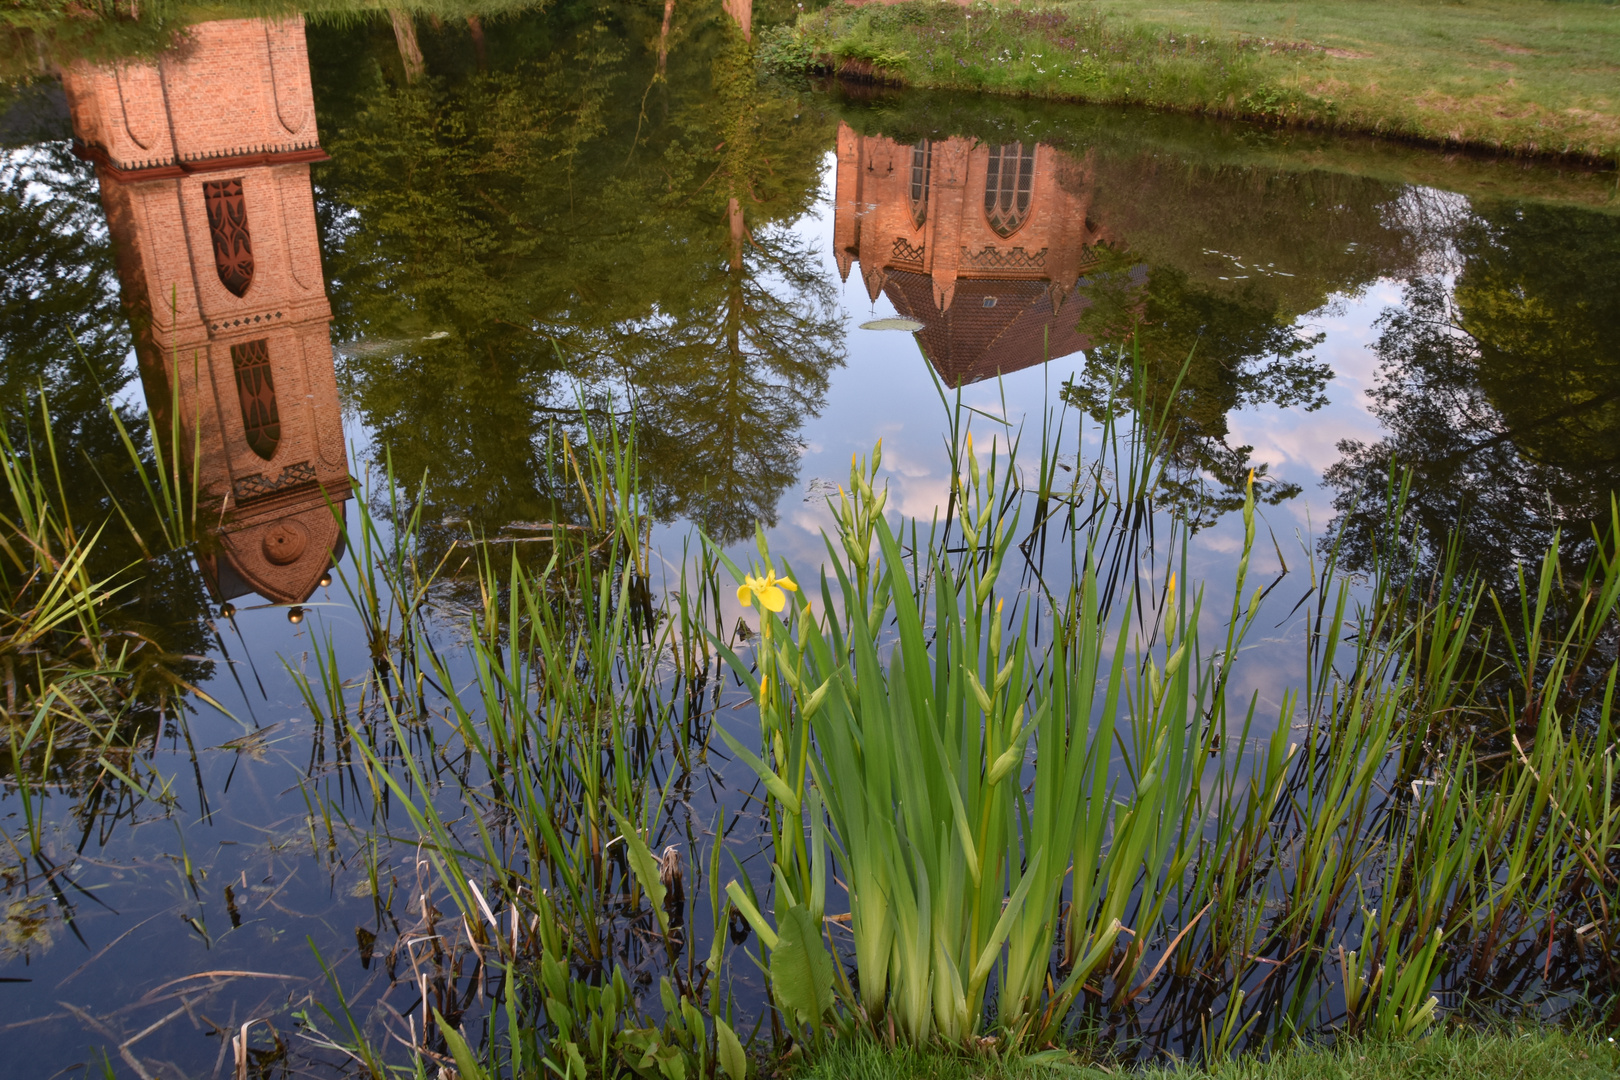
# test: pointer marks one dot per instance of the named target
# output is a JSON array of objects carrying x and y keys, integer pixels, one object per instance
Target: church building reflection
[
  {"x": 203, "y": 160},
  {"x": 985, "y": 245}
]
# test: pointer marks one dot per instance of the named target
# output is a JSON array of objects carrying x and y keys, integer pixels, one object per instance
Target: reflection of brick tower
[
  {"x": 983, "y": 245},
  {"x": 203, "y": 159}
]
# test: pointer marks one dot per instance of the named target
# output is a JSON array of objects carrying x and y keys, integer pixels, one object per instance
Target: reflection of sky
[
  {"x": 885, "y": 391},
  {"x": 256, "y": 832}
]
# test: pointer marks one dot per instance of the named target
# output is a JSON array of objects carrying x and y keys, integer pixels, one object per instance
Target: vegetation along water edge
[
  {"x": 978, "y": 787},
  {"x": 1524, "y": 77},
  {"x": 1110, "y": 853}
]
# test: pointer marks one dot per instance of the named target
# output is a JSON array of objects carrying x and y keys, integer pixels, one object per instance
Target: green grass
[
  {"x": 1514, "y": 75},
  {"x": 37, "y": 35},
  {"x": 1542, "y": 1054},
  {"x": 1121, "y": 135}
]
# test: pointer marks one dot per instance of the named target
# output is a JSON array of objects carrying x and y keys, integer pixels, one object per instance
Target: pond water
[{"x": 601, "y": 210}]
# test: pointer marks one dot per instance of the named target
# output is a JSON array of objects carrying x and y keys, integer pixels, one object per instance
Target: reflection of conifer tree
[
  {"x": 570, "y": 221},
  {"x": 1501, "y": 394},
  {"x": 722, "y": 399},
  {"x": 722, "y": 388}
]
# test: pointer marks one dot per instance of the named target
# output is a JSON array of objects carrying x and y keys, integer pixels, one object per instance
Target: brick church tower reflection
[
  {"x": 984, "y": 245},
  {"x": 203, "y": 159}
]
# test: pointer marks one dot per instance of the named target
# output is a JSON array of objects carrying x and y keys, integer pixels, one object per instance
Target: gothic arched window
[
  {"x": 227, "y": 221},
  {"x": 256, "y": 392},
  {"x": 1007, "y": 186},
  {"x": 922, "y": 166}
]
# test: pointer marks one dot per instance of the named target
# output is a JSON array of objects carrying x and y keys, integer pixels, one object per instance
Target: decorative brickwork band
[
  {"x": 906, "y": 255},
  {"x": 256, "y": 390},
  {"x": 989, "y": 258},
  {"x": 1007, "y": 186},
  {"x": 166, "y": 167},
  {"x": 259, "y": 486},
  {"x": 227, "y": 221}
]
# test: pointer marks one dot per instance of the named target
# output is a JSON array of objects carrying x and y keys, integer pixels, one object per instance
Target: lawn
[
  {"x": 1541, "y": 1054},
  {"x": 1526, "y": 76}
]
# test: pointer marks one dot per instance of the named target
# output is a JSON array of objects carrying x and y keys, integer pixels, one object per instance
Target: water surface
[{"x": 593, "y": 214}]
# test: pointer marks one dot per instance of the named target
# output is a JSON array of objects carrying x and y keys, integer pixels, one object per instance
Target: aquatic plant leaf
[
  {"x": 729, "y": 1048},
  {"x": 773, "y": 782},
  {"x": 643, "y": 865},
  {"x": 801, "y": 970},
  {"x": 746, "y": 906},
  {"x": 466, "y": 1065}
]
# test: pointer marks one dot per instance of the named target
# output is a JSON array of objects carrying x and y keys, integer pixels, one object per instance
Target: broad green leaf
[
  {"x": 801, "y": 969},
  {"x": 576, "y": 1062},
  {"x": 732, "y": 1058}
]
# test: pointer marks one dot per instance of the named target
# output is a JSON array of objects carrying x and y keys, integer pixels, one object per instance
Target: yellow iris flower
[{"x": 767, "y": 590}]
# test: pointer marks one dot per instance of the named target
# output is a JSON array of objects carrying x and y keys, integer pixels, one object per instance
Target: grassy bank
[
  {"x": 1543, "y": 1052},
  {"x": 1518, "y": 76},
  {"x": 1119, "y": 132}
]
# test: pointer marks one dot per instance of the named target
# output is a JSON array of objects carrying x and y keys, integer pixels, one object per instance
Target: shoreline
[
  {"x": 1407, "y": 92},
  {"x": 910, "y": 114},
  {"x": 826, "y": 68}
]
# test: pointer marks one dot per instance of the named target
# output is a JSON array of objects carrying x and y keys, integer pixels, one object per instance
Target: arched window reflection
[
  {"x": 227, "y": 221},
  {"x": 1007, "y": 187},
  {"x": 256, "y": 392},
  {"x": 922, "y": 166}
]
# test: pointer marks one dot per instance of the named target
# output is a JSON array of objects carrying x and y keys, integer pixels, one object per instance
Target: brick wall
[
  {"x": 989, "y": 303},
  {"x": 230, "y": 106}
]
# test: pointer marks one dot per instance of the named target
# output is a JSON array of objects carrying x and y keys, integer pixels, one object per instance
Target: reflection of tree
[
  {"x": 63, "y": 335},
  {"x": 61, "y": 329},
  {"x": 570, "y": 220},
  {"x": 722, "y": 398},
  {"x": 1229, "y": 350},
  {"x": 1232, "y": 259},
  {"x": 1502, "y": 394},
  {"x": 722, "y": 387}
]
